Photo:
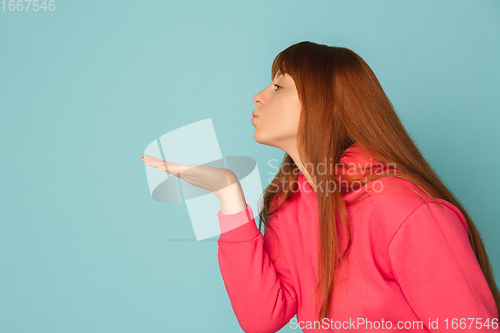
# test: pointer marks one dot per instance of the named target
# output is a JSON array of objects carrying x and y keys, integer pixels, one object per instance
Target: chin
[
  {"x": 262, "y": 140},
  {"x": 258, "y": 138}
]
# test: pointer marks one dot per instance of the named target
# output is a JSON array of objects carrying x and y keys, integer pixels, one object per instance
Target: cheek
[
  {"x": 281, "y": 123},
  {"x": 289, "y": 116},
  {"x": 281, "y": 117},
  {"x": 285, "y": 111}
]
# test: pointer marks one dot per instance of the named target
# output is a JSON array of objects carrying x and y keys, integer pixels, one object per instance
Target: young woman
[{"x": 360, "y": 232}]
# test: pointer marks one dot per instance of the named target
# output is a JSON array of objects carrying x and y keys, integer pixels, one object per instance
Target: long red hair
[{"x": 343, "y": 103}]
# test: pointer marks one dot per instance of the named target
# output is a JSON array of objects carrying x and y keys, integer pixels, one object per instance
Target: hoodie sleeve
[
  {"x": 437, "y": 270},
  {"x": 255, "y": 272}
]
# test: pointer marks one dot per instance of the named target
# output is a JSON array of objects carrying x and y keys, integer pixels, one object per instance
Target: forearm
[{"x": 261, "y": 291}]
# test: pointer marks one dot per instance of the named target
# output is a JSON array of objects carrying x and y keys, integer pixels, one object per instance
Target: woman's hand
[{"x": 216, "y": 180}]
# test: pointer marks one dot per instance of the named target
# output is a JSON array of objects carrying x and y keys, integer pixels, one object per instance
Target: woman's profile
[{"x": 359, "y": 230}]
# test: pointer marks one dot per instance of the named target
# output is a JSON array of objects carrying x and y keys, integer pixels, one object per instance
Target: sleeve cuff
[{"x": 238, "y": 227}]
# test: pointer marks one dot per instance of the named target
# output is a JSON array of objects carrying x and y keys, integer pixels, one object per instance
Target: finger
[
  {"x": 171, "y": 168},
  {"x": 147, "y": 159},
  {"x": 160, "y": 164}
]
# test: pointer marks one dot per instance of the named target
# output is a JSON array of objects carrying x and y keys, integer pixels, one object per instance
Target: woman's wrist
[{"x": 232, "y": 199}]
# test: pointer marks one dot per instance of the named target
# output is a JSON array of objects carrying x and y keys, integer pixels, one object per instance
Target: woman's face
[{"x": 276, "y": 118}]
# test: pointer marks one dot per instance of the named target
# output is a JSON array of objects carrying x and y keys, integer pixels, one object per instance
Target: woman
[{"x": 360, "y": 232}]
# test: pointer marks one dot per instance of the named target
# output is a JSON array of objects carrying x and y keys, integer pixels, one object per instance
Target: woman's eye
[{"x": 277, "y": 87}]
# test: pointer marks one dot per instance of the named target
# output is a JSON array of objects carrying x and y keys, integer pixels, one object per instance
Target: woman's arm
[
  {"x": 257, "y": 278},
  {"x": 232, "y": 199}
]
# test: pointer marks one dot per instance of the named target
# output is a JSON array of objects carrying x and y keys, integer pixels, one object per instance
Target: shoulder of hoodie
[
  {"x": 386, "y": 203},
  {"x": 390, "y": 200}
]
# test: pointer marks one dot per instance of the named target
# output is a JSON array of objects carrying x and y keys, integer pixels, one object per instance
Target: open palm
[{"x": 212, "y": 179}]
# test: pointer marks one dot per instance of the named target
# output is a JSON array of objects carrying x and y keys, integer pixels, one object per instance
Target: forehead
[{"x": 278, "y": 75}]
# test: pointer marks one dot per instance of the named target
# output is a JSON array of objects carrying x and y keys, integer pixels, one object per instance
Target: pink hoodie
[{"x": 411, "y": 266}]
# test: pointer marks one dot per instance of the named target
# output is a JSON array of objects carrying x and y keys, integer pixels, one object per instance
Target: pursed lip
[{"x": 253, "y": 113}]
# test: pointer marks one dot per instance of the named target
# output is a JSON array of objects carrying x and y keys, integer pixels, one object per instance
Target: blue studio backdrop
[{"x": 85, "y": 86}]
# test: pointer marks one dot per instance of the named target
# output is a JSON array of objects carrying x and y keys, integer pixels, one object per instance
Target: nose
[{"x": 258, "y": 99}]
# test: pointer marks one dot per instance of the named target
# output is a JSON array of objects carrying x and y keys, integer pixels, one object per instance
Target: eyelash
[{"x": 277, "y": 86}]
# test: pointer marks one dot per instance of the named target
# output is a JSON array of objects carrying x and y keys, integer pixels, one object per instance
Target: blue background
[{"x": 85, "y": 88}]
